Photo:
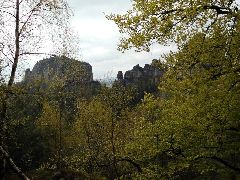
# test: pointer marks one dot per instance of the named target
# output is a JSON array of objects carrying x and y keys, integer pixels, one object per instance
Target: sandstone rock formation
[
  {"x": 71, "y": 74},
  {"x": 61, "y": 68},
  {"x": 145, "y": 79}
]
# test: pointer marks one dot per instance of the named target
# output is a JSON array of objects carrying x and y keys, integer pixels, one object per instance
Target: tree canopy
[
  {"x": 193, "y": 128},
  {"x": 164, "y": 21}
]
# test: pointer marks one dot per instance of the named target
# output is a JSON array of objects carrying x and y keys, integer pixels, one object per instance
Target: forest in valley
[{"x": 183, "y": 124}]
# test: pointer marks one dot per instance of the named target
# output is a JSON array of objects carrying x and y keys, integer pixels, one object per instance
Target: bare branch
[
  {"x": 218, "y": 9},
  {"x": 13, "y": 165},
  {"x": 32, "y": 53},
  {"x": 6, "y": 56},
  {"x": 8, "y": 13},
  {"x": 136, "y": 165},
  {"x": 29, "y": 17}
]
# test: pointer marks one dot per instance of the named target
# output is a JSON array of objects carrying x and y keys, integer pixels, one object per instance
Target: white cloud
[{"x": 95, "y": 28}]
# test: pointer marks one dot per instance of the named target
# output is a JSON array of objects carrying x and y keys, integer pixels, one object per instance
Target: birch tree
[{"x": 25, "y": 27}]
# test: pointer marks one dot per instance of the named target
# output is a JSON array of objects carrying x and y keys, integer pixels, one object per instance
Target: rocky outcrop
[
  {"x": 145, "y": 79},
  {"x": 73, "y": 75},
  {"x": 61, "y": 68}
]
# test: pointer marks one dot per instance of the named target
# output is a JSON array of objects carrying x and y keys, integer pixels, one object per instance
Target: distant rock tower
[
  {"x": 28, "y": 75},
  {"x": 145, "y": 79},
  {"x": 120, "y": 75}
]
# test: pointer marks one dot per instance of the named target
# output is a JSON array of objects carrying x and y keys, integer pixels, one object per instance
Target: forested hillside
[{"x": 176, "y": 118}]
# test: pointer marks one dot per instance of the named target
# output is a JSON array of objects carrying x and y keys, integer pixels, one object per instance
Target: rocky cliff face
[
  {"x": 61, "y": 68},
  {"x": 145, "y": 79},
  {"x": 68, "y": 74}
]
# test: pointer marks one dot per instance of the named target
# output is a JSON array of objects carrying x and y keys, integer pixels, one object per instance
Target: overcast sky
[{"x": 99, "y": 37}]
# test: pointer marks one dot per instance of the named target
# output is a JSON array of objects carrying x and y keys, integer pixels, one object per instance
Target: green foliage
[
  {"x": 162, "y": 21},
  {"x": 100, "y": 133},
  {"x": 118, "y": 97},
  {"x": 203, "y": 89},
  {"x": 25, "y": 141},
  {"x": 194, "y": 130}
]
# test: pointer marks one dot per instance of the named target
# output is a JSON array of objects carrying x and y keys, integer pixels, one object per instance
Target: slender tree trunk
[{"x": 17, "y": 46}]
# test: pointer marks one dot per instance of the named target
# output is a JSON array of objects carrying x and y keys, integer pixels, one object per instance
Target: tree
[
  {"x": 92, "y": 137},
  {"x": 119, "y": 99},
  {"x": 100, "y": 133},
  {"x": 196, "y": 127},
  {"x": 203, "y": 88},
  {"x": 51, "y": 125},
  {"x": 193, "y": 131},
  {"x": 23, "y": 25},
  {"x": 158, "y": 21}
]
